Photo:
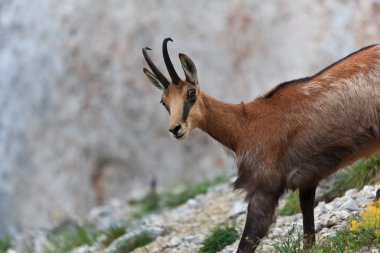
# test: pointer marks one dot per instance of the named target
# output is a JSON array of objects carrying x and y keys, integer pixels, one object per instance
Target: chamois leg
[
  {"x": 307, "y": 197},
  {"x": 377, "y": 194},
  {"x": 260, "y": 212}
]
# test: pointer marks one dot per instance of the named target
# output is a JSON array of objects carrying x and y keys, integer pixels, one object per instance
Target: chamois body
[
  {"x": 299, "y": 133},
  {"x": 308, "y": 129}
]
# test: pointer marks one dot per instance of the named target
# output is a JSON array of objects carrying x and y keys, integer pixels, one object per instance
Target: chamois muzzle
[
  {"x": 180, "y": 131},
  {"x": 175, "y": 130}
]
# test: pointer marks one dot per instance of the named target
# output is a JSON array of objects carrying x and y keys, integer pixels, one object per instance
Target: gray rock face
[{"x": 79, "y": 123}]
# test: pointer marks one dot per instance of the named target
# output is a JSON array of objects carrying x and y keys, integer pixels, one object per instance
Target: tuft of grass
[
  {"x": 290, "y": 243},
  {"x": 134, "y": 243},
  {"x": 175, "y": 199},
  {"x": 29, "y": 249},
  {"x": 219, "y": 238},
  {"x": 113, "y": 233},
  {"x": 155, "y": 202},
  {"x": 140, "y": 241},
  {"x": 69, "y": 236},
  {"x": 150, "y": 204},
  {"x": 361, "y": 173},
  {"x": 292, "y": 205},
  {"x": 5, "y": 244}
]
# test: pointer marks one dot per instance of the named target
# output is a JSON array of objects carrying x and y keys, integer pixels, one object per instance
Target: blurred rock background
[{"x": 80, "y": 124}]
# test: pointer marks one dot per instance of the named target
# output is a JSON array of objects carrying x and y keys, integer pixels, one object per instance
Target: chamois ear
[
  {"x": 189, "y": 68},
  {"x": 153, "y": 79}
]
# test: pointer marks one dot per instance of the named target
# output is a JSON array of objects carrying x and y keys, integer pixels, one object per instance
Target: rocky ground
[{"x": 182, "y": 229}]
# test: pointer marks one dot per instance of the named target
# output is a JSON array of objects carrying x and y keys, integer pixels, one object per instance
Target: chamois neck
[{"x": 223, "y": 121}]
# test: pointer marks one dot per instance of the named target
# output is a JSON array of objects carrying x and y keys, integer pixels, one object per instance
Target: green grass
[
  {"x": 292, "y": 205},
  {"x": 343, "y": 241},
  {"x": 219, "y": 238},
  {"x": 175, "y": 199},
  {"x": 29, "y": 249},
  {"x": 155, "y": 202},
  {"x": 289, "y": 243},
  {"x": 69, "y": 236},
  {"x": 139, "y": 241},
  {"x": 5, "y": 244},
  {"x": 134, "y": 243},
  {"x": 361, "y": 173},
  {"x": 150, "y": 204},
  {"x": 113, "y": 233}
]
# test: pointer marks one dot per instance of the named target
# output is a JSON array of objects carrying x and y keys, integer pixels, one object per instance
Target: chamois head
[{"x": 180, "y": 97}]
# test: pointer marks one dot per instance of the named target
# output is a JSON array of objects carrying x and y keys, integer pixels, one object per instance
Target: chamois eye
[
  {"x": 162, "y": 102},
  {"x": 191, "y": 93}
]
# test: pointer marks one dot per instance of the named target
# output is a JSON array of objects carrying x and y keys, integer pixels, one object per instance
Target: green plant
[
  {"x": 292, "y": 205},
  {"x": 68, "y": 236},
  {"x": 219, "y": 238},
  {"x": 172, "y": 199},
  {"x": 150, "y": 204},
  {"x": 155, "y": 202},
  {"x": 113, "y": 233},
  {"x": 361, "y": 173},
  {"x": 134, "y": 243},
  {"x": 29, "y": 249},
  {"x": 290, "y": 243},
  {"x": 5, "y": 244}
]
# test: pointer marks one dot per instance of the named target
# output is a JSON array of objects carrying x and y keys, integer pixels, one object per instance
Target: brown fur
[{"x": 294, "y": 136}]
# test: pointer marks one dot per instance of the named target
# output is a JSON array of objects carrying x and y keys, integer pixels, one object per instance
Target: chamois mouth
[
  {"x": 183, "y": 133},
  {"x": 180, "y": 136}
]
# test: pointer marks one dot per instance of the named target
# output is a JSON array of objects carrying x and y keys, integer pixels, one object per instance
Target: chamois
[{"x": 297, "y": 134}]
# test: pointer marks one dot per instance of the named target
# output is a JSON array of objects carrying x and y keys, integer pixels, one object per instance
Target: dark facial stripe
[{"x": 187, "y": 105}]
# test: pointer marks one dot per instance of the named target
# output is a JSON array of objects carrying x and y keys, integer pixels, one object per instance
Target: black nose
[{"x": 175, "y": 129}]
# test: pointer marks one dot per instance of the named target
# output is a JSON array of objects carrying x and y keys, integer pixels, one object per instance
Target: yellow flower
[
  {"x": 369, "y": 218},
  {"x": 355, "y": 226}
]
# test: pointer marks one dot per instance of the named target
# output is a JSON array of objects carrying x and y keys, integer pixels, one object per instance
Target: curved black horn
[
  {"x": 155, "y": 70},
  {"x": 169, "y": 65}
]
